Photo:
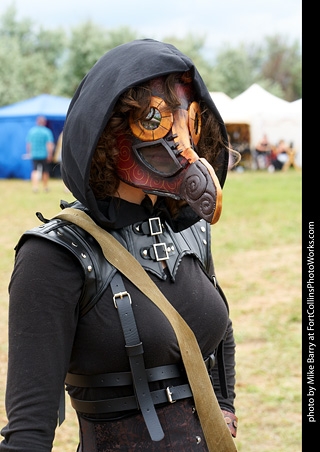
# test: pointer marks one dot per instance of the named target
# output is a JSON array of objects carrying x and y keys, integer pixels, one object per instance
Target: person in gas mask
[{"x": 145, "y": 154}]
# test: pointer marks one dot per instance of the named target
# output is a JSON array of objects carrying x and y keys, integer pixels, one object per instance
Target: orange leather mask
[{"x": 160, "y": 156}]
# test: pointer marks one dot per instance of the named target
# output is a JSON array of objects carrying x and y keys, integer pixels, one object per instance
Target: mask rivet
[
  {"x": 205, "y": 242},
  {"x": 83, "y": 255},
  {"x": 203, "y": 229},
  {"x": 89, "y": 268}
]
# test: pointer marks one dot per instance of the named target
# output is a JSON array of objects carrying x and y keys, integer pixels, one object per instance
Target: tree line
[{"x": 35, "y": 60}]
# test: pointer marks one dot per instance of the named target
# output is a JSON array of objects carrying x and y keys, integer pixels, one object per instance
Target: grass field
[{"x": 257, "y": 251}]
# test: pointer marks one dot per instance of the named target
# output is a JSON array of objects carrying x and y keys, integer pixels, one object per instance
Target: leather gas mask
[{"x": 160, "y": 156}]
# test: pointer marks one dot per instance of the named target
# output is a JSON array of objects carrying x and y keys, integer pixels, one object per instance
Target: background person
[
  {"x": 40, "y": 145},
  {"x": 279, "y": 156},
  {"x": 262, "y": 152}
]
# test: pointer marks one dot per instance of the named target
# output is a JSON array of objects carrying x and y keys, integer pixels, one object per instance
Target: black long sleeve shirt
[{"x": 47, "y": 338}]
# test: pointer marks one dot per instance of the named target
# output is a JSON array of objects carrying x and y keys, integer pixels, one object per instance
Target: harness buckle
[
  {"x": 169, "y": 395},
  {"x": 160, "y": 251},
  {"x": 155, "y": 226},
  {"x": 120, "y": 295}
]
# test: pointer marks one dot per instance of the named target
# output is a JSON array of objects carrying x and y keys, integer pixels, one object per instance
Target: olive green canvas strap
[{"x": 216, "y": 432}]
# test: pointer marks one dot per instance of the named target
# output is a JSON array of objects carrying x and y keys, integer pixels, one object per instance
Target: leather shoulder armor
[
  {"x": 150, "y": 242},
  {"x": 97, "y": 271}
]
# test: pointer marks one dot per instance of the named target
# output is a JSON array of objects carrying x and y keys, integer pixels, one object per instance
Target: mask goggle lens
[
  {"x": 158, "y": 157},
  {"x": 194, "y": 121},
  {"x": 156, "y": 124}
]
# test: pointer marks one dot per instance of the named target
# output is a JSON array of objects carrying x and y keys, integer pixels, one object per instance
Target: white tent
[
  {"x": 297, "y": 105},
  {"x": 259, "y": 99},
  {"x": 296, "y": 108},
  {"x": 266, "y": 114},
  {"x": 230, "y": 113},
  {"x": 220, "y": 99}
]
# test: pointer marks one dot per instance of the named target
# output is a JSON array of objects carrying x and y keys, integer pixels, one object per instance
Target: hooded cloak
[{"x": 121, "y": 68}]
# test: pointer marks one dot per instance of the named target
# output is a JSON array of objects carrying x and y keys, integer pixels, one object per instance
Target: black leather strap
[
  {"x": 62, "y": 407},
  {"x": 121, "y": 378},
  {"x": 134, "y": 351},
  {"x": 170, "y": 394},
  {"x": 221, "y": 370}
]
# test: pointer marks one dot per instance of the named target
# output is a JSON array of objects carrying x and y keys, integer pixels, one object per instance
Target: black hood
[{"x": 91, "y": 107}]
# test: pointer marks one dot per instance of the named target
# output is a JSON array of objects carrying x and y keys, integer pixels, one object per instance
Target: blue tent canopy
[{"x": 15, "y": 122}]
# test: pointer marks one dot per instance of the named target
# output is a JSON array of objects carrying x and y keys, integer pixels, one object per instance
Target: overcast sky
[{"x": 220, "y": 21}]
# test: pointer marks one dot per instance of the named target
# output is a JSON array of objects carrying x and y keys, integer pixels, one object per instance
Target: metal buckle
[
  {"x": 155, "y": 226},
  {"x": 120, "y": 295},
  {"x": 210, "y": 361},
  {"x": 169, "y": 395},
  {"x": 162, "y": 255},
  {"x": 214, "y": 279}
]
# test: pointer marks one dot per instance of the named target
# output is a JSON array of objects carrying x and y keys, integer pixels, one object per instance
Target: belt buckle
[
  {"x": 162, "y": 254},
  {"x": 169, "y": 395},
  {"x": 155, "y": 226},
  {"x": 120, "y": 295}
]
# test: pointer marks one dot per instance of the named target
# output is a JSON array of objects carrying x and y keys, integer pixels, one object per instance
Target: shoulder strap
[{"x": 216, "y": 432}]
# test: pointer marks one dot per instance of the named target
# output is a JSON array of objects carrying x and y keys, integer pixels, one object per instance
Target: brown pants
[{"x": 180, "y": 424}]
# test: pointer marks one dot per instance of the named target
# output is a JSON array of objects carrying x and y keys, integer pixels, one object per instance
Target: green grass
[
  {"x": 257, "y": 252},
  {"x": 260, "y": 210}
]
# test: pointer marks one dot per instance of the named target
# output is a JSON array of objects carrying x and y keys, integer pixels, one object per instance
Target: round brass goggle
[{"x": 159, "y": 121}]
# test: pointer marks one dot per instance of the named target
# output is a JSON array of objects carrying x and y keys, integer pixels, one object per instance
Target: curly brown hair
[{"x": 103, "y": 174}]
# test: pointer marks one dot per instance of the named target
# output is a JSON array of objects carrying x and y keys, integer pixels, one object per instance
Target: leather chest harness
[{"x": 151, "y": 243}]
